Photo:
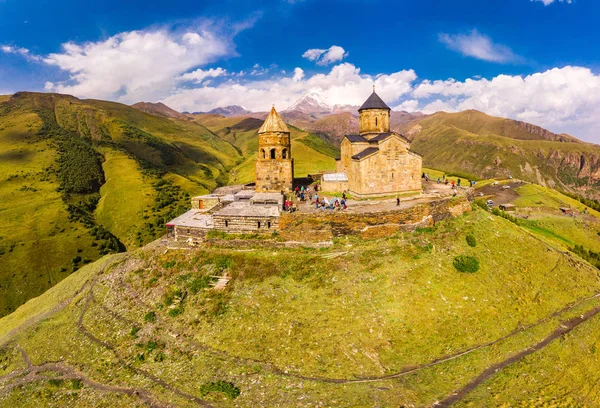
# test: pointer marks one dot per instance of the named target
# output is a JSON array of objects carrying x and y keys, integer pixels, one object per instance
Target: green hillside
[
  {"x": 83, "y": 178},
  {"x": 479, "y": 146},
  {"x": 389, "y": 320}
]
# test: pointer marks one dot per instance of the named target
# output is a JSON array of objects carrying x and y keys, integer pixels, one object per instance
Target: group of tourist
[
  {"x": 305, "y": 194},
  {"x": 333, "y": 204}
]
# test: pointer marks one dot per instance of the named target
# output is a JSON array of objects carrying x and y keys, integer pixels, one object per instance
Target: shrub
[
  {"x": 134, "y": 331},
  {"x": 466, "y": 263},
  {"x": 471, "y": 241},
  {"x": 225, "y": 387},
  {"x": 150, "y": 317}
]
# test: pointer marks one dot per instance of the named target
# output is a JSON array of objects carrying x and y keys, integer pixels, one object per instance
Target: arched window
[
  {"x": 259, "y": 225},
  {"x": 375, "y": 121},
  {"x": 269, "y": 224},
  {"x": 272, "y": 153},
  {"x": 284, "y": 154},
  {"x": 226, "y": 223},
  {"x": 263, "y": 154}
]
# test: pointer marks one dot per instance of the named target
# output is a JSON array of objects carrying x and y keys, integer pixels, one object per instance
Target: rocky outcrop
[{"x": 544, "y": 133}]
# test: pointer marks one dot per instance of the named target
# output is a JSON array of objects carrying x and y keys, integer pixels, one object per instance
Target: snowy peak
[{"x": 310, "y": 104}]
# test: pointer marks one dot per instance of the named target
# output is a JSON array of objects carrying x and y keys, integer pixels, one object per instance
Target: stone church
[
  {"x": 275, "y": 166},
  {"x": 377, "y": 161}
]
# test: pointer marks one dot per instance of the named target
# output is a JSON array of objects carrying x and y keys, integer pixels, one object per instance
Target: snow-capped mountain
[{"x": 310, "y": 104}]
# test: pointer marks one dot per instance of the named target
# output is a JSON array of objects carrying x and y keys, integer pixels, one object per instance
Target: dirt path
[
  {"x": 35, "y": 373},
  {"x": 83, "y": 330},
  {"x": 38, "y": 318},
  {"x": 563, "y": 329}
]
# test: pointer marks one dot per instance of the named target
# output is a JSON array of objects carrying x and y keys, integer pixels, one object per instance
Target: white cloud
[
  {"x": 548, "y": 2},
  {"x": 561, "y": 99},
  {"x": 23, "y": 52},
  {"x": 478, "y": 46},
  {"x": 344, "y": 84},
  {"x": 137, "y": 65},
  {"x": 200, "y": 75},
  {"x": 335, "y": 53}
]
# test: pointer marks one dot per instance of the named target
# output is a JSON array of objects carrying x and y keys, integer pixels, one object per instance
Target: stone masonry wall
[
  {"x": 245, "y": 224},
  {"x": 323, "y": 226}
]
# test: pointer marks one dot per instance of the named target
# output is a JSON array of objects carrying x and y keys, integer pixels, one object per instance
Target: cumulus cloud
[
  {"x": 477, "y": 45},
  {"x": 548, "y": 2},
  {"x": 561, "y": 99},
  {"x": 23, "y": 52},
  {"x": 335, "y": 53},
  {"x": 343, "y": 84},
  {"x": 137, "y": 65}
]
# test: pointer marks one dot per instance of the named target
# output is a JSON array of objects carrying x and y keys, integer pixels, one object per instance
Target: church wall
[
  {"x": 274, "y": 175},
  {"x": 392, "y": 170}
]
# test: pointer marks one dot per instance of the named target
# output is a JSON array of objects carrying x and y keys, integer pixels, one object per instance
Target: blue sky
[{"x": 537, "y": 61}]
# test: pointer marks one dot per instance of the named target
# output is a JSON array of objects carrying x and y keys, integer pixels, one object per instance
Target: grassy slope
[
  {"x": 481, "y": 146},
  {"x": 126, "y": 196},
  {"x": 379, "y": 307},
  {"x": 37, "y": 239}
]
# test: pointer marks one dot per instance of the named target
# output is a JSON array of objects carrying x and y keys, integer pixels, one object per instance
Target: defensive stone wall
[{"x": 323, "y": 226}]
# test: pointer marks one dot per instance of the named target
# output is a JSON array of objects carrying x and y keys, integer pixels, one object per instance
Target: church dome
[{"x": 374, "y": 102}]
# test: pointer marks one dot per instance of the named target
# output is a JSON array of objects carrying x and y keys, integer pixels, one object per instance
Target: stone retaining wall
[
  {"x": 245, "y": 224},
  {"x": 323, "y": 226}
]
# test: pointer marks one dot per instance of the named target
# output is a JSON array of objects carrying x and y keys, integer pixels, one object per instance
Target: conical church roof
[
  {"x": 274, "y": 123},
  {"x": 374, "y": 102}
]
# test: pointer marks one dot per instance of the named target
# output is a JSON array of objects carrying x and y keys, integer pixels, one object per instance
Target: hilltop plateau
[
  {"x": 389, "y": 320},
  {"x": 83, "y": 178}
]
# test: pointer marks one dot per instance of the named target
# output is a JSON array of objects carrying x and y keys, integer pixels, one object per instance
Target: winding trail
[
  {"x": 563, "y": 329},
  {"x": 35, "y": 373},
  {"x": 83, "y": 330}
]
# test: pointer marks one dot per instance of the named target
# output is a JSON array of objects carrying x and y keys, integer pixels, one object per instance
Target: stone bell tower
[
  {"x": 275, "y": 166},
  {"x": 374, "y": 116}
]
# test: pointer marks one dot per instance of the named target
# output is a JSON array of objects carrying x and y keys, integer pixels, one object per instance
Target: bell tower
[
  {"x": 275, "y": 166},
  {"x": 374, "y": 115}
]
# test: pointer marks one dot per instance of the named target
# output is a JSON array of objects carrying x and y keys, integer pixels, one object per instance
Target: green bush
[
  {"x": 225, "y": 387},
  {"x": 150, "y": 317},
  {"x": 466, "y": 263},
  {"x": 471, "y": 241},
  {"x": 134, "y": 331}
]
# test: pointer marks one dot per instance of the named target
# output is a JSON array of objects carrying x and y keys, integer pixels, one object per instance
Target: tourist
[
  {"x": 423, "y": 176},
  {"x": 397, "y": 201},
  {"x": 316, "y": 187},
  {"x": 452, "y": 185},
  {"x": 458, "y": 183},
  {"x": 438, "y": 180},
  {"x": 343, "y": 203},
  {"x": 302, "y": 195},
  {"x": 344, "y": 195}
]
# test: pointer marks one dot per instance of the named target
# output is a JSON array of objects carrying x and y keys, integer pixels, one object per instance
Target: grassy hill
[
  {"x": 390, "y": 321},
  {"x": 479, "y": 146},
  {"x": 83, "y": 178}
]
